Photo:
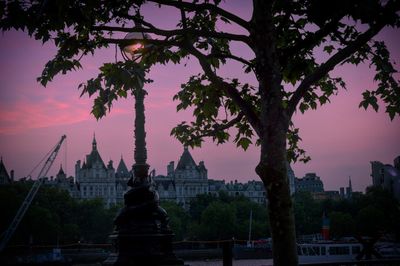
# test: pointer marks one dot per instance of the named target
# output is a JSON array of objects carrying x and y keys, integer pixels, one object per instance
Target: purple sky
[{"x": 341, "y": 138}]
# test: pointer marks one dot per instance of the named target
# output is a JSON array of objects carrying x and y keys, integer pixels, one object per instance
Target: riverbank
[{"x": 264, "y": 262}]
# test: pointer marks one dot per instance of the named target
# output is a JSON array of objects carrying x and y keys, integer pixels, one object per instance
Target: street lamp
[
  {"x": 142, "y": 235},
  {"x": 140, "y": 168},
  {"x": 134, "y": 50}
]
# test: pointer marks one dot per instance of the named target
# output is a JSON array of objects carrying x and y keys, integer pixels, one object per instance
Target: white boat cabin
[{"x": 328, "y": 252}]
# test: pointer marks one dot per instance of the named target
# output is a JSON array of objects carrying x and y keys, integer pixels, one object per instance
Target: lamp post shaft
[{"x": 140, "y": 167}]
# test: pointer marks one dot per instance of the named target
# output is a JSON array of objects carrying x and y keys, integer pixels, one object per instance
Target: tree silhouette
[{"x": 281, "y": 38}]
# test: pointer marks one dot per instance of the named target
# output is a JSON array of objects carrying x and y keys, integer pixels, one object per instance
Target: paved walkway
[{"x": 235, "y": 263}]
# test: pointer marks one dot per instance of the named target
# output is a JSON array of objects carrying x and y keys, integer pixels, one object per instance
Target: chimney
[
  {"x": 170, "y": 169},
  {"x": 12, "y": 175}
]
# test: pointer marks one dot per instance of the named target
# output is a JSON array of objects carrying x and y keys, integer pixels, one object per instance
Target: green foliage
[
  {"x": 224, "y": 217},
  {"x": 208, "y": 101},
  {"x": 372, "y": 214},
  {"x": 342, "y": 224},
  {"x": 307, "y": 213},
  {"x": 294, "y": 152},
  {"x": 370, "y": 220},
  {"x": 178, "y": 219},
  {"x": 199, "y": 204},
  {"x": 54, "y": 216},
  {"x": 114, "y": 81},
  {"x": 218, "y": 221},
  {"x": 388, "y": 87}
]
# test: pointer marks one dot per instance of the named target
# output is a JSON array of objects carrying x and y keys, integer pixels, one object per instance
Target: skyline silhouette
[{"x": 340, "y": 137}]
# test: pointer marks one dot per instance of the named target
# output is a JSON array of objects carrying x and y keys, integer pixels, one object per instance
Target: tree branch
[
  {"x": 231, "y": 91},
  {"x": 231, "y": 56},
  {"x": 220, "y": 127},
  {"x": 212, "y": 8},
  {"x": 310, "y": 41},
  {"x": 125, "y": 42},
  {"x": 324, "y": 68},
  {"x": 175, "y": 32}
]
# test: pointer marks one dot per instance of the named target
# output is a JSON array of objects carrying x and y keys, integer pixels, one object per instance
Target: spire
[
  {"x": 94, "y": 142},
  {"x": 61, "y": 171},
  {"x": 186, "y": 159},
  {"x": 122, "y": 170},
  {"x": 350, "y": 183}
]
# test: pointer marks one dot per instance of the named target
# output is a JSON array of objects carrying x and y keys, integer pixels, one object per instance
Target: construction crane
[{"x": 31, "y": 195}]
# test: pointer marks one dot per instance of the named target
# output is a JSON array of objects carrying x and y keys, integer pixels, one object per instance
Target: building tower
[
  {"x": 190, "y": 179},
  {"x": 349, "y": 189},
  {"x": 122, "y": 176},
  {"x": 94, "y": 178}
]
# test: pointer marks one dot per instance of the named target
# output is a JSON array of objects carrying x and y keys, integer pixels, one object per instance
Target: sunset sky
[{"x": 340, "y": 138}]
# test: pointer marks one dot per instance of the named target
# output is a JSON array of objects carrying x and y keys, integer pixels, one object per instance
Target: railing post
[{"x": 227, "y": 254}]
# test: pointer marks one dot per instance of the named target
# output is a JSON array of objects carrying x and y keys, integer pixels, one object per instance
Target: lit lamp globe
[{"x": 135, "y": 49}]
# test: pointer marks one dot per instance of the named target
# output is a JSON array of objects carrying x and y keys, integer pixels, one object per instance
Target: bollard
[{"x": 227, "y": 254}]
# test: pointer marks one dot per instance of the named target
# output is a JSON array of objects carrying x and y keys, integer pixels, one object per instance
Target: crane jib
[{"x": 31, "y": 195}]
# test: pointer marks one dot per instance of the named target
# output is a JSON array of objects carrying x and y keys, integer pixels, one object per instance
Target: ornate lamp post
[{"x": 142, "y": 235}]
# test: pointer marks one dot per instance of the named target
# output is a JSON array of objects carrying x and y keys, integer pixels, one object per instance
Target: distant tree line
[
  {"x": 374, "y": 213},
  {"x": 54, "y": 217},
  {"x": 221, "y": 217},
  {"x": 211, "y": 218}
]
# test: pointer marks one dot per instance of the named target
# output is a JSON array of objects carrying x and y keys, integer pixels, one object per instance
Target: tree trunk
[
  {"x": 274, "y": 123},
  {"x": 272, "y": 170}
]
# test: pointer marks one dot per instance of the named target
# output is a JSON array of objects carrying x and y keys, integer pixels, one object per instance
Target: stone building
[
  {"x": 330, "y": 194},
  {"x": 95, "y": 179},
  {"x": 387, "y": 176},
  {"x": 187, "y": 180},
  {"x": 310, "y": 183},
  {"x": 346, "y": 192},
  {"x": 5, "y": 178},
  {"x": 63, "y": 182},
  {"x": 254, "y": 190},
  {"x": 183, "y": 183},
  {"x": 122, "y": 176},
  {"x": 291, "y": 176}
]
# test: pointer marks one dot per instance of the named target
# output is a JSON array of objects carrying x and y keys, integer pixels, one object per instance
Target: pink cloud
[{"x": 27, "y": 115}]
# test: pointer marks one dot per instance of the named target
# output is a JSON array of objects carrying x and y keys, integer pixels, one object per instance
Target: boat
[
  {"x": 341, "y": 252},
  {"x": 388, "y": 249},
  {"x": 328, "y": 252}
]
